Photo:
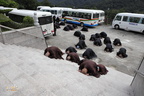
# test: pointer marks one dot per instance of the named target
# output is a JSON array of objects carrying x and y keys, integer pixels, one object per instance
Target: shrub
[{"x": 28, "y": 20}]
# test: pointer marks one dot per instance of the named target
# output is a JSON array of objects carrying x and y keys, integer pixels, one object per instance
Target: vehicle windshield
[{"x": 45, "y": 20}]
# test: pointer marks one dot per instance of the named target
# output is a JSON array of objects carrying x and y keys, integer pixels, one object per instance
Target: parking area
[{"x": 132, "y": 41}]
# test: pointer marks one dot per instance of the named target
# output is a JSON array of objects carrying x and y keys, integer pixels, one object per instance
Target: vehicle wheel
[
  {"x": 81, "y": 24},
  {"x": 116, "y": 26}
]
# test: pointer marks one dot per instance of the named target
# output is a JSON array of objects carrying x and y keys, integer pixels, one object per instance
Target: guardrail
[{"x": 30, "y": 37}]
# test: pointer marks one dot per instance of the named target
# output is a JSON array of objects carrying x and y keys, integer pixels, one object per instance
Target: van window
[
  {"x": 118, "y": 18},
  {"x": 125, "y": 18},
  {"x": 142, "y": 21},
  {"x": 134, "y": 19}
]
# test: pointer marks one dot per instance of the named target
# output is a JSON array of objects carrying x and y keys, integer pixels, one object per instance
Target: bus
[
  {"x": 129, "y": 22},
  {"x": 55, "y": 11},
  {"x": 39, "y": 7},
  {"x": 84, "y": 17},
  {"x": 44, "y": 19}
]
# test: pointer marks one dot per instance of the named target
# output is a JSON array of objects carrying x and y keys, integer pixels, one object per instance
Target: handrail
[{"x": 6, "y": 27}]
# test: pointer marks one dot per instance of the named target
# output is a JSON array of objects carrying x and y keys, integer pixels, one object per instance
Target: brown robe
[
  {"x": 91, "y": 66},
  {"x": 74, "y": 57},
  {"x": 102, "y": 69},
  {"x": 55, "y": 52}
]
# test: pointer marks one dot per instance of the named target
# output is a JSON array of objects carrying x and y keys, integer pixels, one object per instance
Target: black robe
[
  {"x": 108, "y": 48},
  {"x": 97, "y": 35},
  {"x": 107, "y": 40},
  {"x": 117, "y": 42},
  {"x": 71, "y": 49},
  {"x": 55, "y": 52},
  {"x": 97, "y": 42},
  {"x": 70, "y": 27},
  {"x": 74, "y": 25},
  {"x": 89, "y": 54},
  {"x": 77, "y": 33},
  {"x": 82, "y": 37},
  {"x": 91, "y": 66},
  {"x": 66, "y": 28},
  {"x": 81, "y": 44},
  {"x": 103, "y": 35},
  {"x": 84, "y": 28},
  {"x": 92, "y": 38},
  {"x": 122, "y": 52}
]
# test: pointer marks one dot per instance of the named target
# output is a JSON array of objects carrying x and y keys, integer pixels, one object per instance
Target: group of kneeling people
[
  {"x": 86, "y": 66},
  {"x": 96, "y": 38}
]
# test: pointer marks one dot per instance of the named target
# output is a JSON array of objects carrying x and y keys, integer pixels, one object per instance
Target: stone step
[{"x": 22, "y": 82}]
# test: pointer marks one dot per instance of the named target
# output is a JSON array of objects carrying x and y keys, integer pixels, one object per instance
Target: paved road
[{"x": 132, "y": 41}]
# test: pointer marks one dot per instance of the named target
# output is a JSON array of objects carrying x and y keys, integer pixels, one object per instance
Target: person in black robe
[
  {"x": 82, "y": 37},
  {"x": 66, "y": 28},
  {"x": 58, "y": 19},
  {"x": 74, "y": 25},
  {"x": 97, "y": 35},
  {"x": 81, "y": 44},
  {"x": 57, "y": 25},
  {"x": 53, "y": 52},
  {"x": 108, "y": 48},
  {"x": 92, "y": 38},
  {"x": 102, "y": 69},
  {"x": 73, "y": 57},
  {"x": 70, "y": 49},
  {"x": 62, "y": 23},
  {"x": 122, "y": 53},
  {"x": 117, "y": 42},
  {"x": 70, "y": 27},
  {"x": 88, "y": 67},
  {"x": 97, "y": 42},
  {"x": 103, "y": 35},
  {"x": 107, "y": 40},
  {"x": 84, "y": 28},
  {"x": 89, "y": 54},
  {"x": 77, "y": 33}
]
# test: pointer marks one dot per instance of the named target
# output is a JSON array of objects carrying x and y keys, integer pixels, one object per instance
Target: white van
[{"x": 129, "y": 22}]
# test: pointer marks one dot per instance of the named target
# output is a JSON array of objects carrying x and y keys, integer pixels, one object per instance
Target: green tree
[
  {"x": 27, "y": 4},
  {"x": 8, "y": 3},
  {"x": 45, "y": 3}
]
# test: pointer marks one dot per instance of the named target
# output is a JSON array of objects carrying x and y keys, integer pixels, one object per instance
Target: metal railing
[{"x": 34, "y": 38}]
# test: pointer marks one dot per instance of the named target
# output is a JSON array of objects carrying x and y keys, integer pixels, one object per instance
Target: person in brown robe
[
  {"x": 73, "y": 57},
  {"x": 88, "y": 67},
  {"x": 102, "y": 69},
  {"x": 53, "y": 52}
]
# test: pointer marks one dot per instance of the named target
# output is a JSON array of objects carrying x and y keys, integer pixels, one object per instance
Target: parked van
[{"x": 129, "y": 22}]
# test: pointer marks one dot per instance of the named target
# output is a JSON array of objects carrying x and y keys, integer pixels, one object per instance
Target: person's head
[
  {"x": 84, "y": 71},
  {"x": 47, "y": 53},
  {"x": 68, "y": 58},
  {"x": 67, "y": 52}
]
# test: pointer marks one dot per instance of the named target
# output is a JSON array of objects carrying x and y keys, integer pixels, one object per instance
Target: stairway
[{"x": 27, "y": 72}]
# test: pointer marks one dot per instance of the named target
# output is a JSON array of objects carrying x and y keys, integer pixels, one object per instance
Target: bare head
[
  {"x": 67, "y": 52},
  {"x": 47, "y": 53},
  {"x": 68, "y": 58},
  {"x": 84, "y": 70}
]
